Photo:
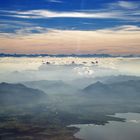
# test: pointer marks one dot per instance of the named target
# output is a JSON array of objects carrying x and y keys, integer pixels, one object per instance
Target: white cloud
[
  {"x": 134, "y": 121},
  {"x": 122, "y": 10},
  {"x": 54, "y": 14},
  {"x": 128, "y": 5},
  {"x": 125, "y": 5},
  {"x": 83, "y": 71},
  {"x": 100, "y": 14}
]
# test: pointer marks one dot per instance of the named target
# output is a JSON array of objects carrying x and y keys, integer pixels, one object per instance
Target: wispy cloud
[
  {"x": 12, "y": 25},
  {"x": 100, "y": 14},
  {"x": 124, "y": 29},
  {"x": 124, "y": 5},
  {"x": 31, "y": 30},
  {"x": 25, "y": 31},
  {"x": 6, "y": 26},
  {"x": 55, "y": 1},
  {"x": 56, "y": 14},
  {"x": 36, "y": 30},
  {"x": 127, "y": 4}
]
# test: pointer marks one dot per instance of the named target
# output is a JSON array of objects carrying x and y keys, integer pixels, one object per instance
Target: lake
[{"x": 128, "y": 130}]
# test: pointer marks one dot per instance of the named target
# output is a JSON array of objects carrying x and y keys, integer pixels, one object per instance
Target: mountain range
[
  {"x": 123, "y": 90},
  {"x": 18, "y": 94},
  {"x": 65, "y": 55}
]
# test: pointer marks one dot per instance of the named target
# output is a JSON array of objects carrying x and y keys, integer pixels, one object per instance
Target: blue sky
[
  {"x": 98, "y": 14},
  {"x": 30, "y": 17}
]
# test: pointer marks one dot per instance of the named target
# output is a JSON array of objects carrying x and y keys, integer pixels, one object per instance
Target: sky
[{"x": 70, "y": 26}]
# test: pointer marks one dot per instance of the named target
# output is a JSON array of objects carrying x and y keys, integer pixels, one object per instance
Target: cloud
[
  {"x": 36, "y": 30},
  {"x": 122, "y": 10},
  {"x": 134, "y": 121},
  {"x": 97, "y": 14},
  {"x": 6, "y": 26},
  {"x": 83, "y": 71},
  {"x": 25, "y": 31},
  {"x": 55, "y": 14},
  {"x": 128, "y": 5},
  {"x": 124, "y": 29},
  {"x": 31, "y": 30},
  {"x": 16, "y": 22},
  {"x": 13, "y": 25},
  {"x": 55, "y": 1},
  {"x": 124, "y": 5},
  {"x": 127, "y": 28}
]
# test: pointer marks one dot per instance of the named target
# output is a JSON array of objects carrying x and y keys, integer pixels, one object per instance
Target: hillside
[{"x": 14, "y": 94}]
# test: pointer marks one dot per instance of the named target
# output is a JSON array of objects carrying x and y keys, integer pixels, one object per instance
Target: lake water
[{"x": 129, "y": 130}]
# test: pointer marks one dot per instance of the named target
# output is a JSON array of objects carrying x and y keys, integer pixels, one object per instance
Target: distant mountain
[
  {"x": 98, "y": 86},
  {"x": 51, "y": 86},
  {"x": 119, "y": 78},
  {"x": 97, "y": 89},
  {"x": 84, "y": 82},
  {"x": 14, "y": 94},
  {"x": 127, "y": 89},
  {"x": 65, "y": 55}
]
